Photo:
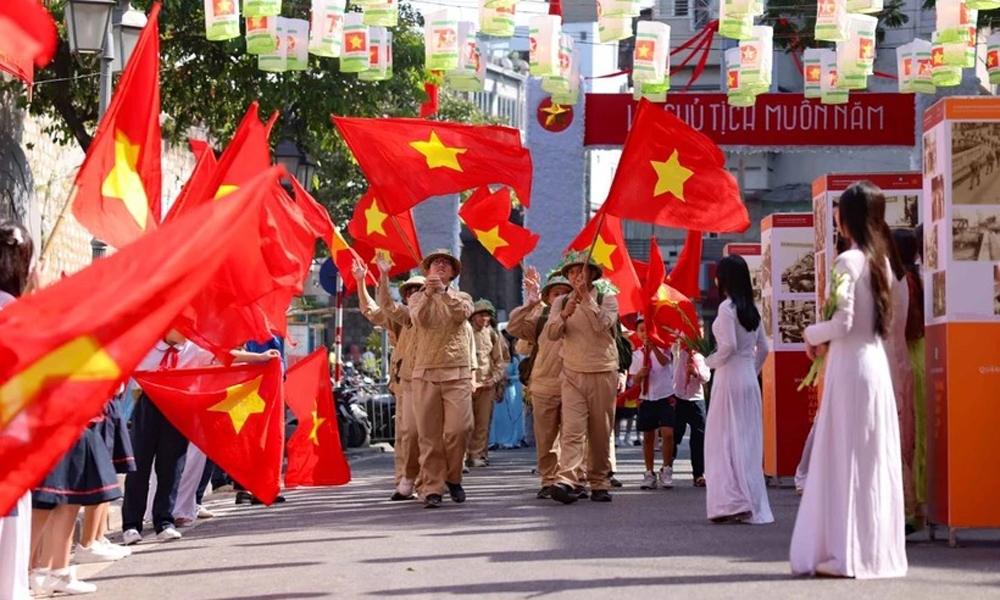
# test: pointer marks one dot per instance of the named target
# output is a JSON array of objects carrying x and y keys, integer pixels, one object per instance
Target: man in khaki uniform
[
  {"x": 442, "y": 377},
  {"x": 491, "y": 368},
  {"x": 590, "y": 379},
  {"x": 530, "y": 322},
  {"x": 394, "y": 317}
]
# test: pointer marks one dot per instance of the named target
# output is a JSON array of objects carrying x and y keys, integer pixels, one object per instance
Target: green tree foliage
[
  {"x": 794, "y": 22},
  {"x": 209, "y": 85}
]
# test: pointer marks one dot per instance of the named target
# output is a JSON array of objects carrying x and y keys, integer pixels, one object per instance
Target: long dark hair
[
  {"x": 16, "y": 249},
  {"x": 878, "y": 213},
  {"x": 907, "y": 246},
  {"x": 734, "y": 282},
  {"x": 862, "y": 214}
]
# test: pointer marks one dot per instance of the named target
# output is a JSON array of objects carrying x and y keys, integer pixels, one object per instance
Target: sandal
[{"x": 699, "y": 482}]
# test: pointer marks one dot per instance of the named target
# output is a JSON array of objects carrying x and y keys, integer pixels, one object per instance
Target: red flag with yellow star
[
  {"x": 116, "y": 195},
  {"x": 685, "y": 276},
  {"x": 611, "y": 253},
  {"x": 195, "y": 191},
  {"x": 395, "y": 235},
  {"x": 247, "y": 154},
  {"x": 673, "y": 176},
  {"x": 235, "y": 415},
  {"x": 28, "y": 38},
  {"x": 315, "y": 454},
  {"x": 487, "y": 215},
  {"x": 67, "y": 348},
  {"x": 408, "y": 161},
  {"x": 666, "y": 310}
]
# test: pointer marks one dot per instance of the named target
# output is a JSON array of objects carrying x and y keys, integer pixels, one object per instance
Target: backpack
[
  {"x": 525, "y": 366},
  {"x": 622, "y": 344}
]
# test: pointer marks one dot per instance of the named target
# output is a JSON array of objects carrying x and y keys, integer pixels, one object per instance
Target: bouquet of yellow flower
[{"x": 829, "y": 308}]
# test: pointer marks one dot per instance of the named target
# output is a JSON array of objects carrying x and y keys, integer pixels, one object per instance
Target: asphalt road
[{"x": 349, "y": 542}]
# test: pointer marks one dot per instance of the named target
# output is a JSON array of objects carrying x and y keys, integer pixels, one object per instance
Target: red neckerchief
[{"x": 169, "y": 360}]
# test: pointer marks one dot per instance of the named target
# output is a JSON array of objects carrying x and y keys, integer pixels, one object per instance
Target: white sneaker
[
  {"x": 648, "y": 481},
  {"x": 204, "y": 513},
  {"x": 131, "y": 536},
  {"x": 123, "y": 550},
  {"x": 666, "y": 477},
  {"x": 65, "y": 581},
  {"x": 95, "y": 553},
  {"x": 35, "y": 580},
  {"x": 168, "y": 534}
]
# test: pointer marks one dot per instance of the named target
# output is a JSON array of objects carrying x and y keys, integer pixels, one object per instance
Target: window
[{"x": 682, "y": 8}]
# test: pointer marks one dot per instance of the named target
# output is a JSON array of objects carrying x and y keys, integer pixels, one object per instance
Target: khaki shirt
[
  {"x": 523, "y": 324},
  {"x": 588, "y": 345},
  {"x": 398, "y": 315},
  {"x": 490, "y": 363},
  {"x": 444, "y": 340}
]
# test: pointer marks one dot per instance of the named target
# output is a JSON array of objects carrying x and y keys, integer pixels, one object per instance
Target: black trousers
[
  {"x": 153, "y": 437},
  {"x": 687, "y": 413}
]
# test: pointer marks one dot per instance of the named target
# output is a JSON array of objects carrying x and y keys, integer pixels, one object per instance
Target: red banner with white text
[{"x": 776, "y": 120}]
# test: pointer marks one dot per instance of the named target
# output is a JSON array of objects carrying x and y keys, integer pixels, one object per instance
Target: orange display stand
[
  {"x": 961, "y": 150},
  {"x": 788, "y": 302}
]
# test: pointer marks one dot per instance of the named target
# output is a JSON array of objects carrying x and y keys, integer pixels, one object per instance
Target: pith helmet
[
  {"x": 483, "y": 305},
  {"x": 576, "y": 258},
  {"x": 441, "y": 253}
]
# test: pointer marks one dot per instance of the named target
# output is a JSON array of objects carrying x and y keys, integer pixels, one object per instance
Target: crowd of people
[{"x": 862, "y": 477}]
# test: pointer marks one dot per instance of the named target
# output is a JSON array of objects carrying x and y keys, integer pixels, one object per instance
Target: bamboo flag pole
[
  {"x": 406, "y": 240},
  {"x": 47, "y": 248}
]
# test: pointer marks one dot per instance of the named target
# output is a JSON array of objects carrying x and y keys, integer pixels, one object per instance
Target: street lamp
[
  {"x": 296, "y": 161},
  {"x": 87, "y": 23},
  {"x": 127, "y": 23}
]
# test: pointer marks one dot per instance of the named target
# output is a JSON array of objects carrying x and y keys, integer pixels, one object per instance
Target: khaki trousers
[
  {"x": 588, "y": 404},
  {"x": 443, "y": 412},
  {"x": 407, "y": 446},
  {"x": 547, "y": 420},
  {"x": 482, "y": 413}
]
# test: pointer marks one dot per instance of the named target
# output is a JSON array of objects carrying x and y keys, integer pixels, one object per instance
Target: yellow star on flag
[
  {"x": 225, "y": 189},
  {"x": 317, "y": 421},
  {"x": 663, "y": 298},
  {"x": 553, "y": 111},
  {"x": 670, "y": 176},
  {"x": 602, "y": 253},
  {"x": 242, "y": 401},
  {"x": 81, "y": 359},
  {"x": 123, "y": 182},
  {"x": 490, "y": 239},
  {"x": 384, "y": 255},
  {"x": 374, "y": 219},
  {"x": 439, "y": 155}
]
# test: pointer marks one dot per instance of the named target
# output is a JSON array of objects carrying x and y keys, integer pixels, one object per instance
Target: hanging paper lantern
[
  {"x": 961, "y": 53},
  {"x": 944, "y": 75},
  {"x": 993, "y": 57},
  {"x": 923, "y": 77},
  {"x": 620, "y": 9},
  {"x": 734, "y": 25},
  {"x": 560, "y": 83},
  {"x": 652, "y": 51},
  {"x": 831, "y": 20},
  {"x": 856, "y": 56},
  {"x": 905, "y": 71},
  {"x": 297, "y": 44},
  {"x": 830, "y": 90},
  {"x": 954, "y": 19},
  {"x": 613, "y": 30},
  {"x": 651, "y": 91},
  {"x": 812, "y": 68},
  {"x": 275, "y": 61},
  {"x": 354, "y": 49},
  {"x": 441, "y": 40},
  {"x": 496, "y": 17},
  {"x": 742, "y": 8},
  {"x": 544, "y": 33},
  {"x": 382, "y": 13},
  {"x": 326, "y": 31},
  {"x": 984, "y": 4},
  {"x": 572, "y": 95},
  {"x": 757, "y": 60},
  {"x": 378, "y": 56},
  {"x": 865, "y": 6},
  {"x": 222, "y": 20},
  {"x": 261, "y": 8},
  {"x": 736, "y": 93},
  {"x": 262, "y": 35},
  {"x": 470, "y": 76}
]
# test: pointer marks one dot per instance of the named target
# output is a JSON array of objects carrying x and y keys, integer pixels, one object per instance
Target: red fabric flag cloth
[
  {"x": 315, "y": 454},
  {"x": 487, "y": 215},
  {"x": 655, "y": 274},
  {"x": 430, "y": 107},
  {"x": 235, "y": 415},
  {"x": 248, "y": 298},
  {"x": 28, "y": 38},
  {"x": 685, "y": 277},
  {"x": 641, "y": 269},
  {"x": 67, "y": 348},
  {"x": 667, "y": 311},
  {"x": 408, "y": 161},
  {"x": 195, "y": 190},
  {"x": 248, "y": 153},
  {"x": 376, "y": 228},
  {"x": 116, "y": 195},
  {"x": 673, "y": 176},
  {"x": 611, "y": 253}
]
